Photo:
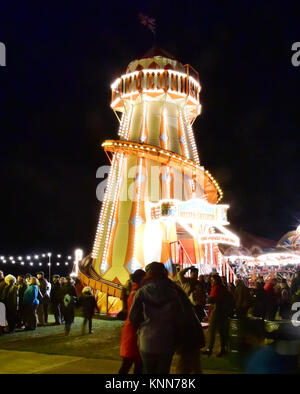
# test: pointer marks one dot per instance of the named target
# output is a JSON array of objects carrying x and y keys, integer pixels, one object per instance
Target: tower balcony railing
[{"x": 154, "y": 80}]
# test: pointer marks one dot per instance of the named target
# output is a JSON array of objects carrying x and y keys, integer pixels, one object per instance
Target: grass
[{"x": 104, "y": 343}]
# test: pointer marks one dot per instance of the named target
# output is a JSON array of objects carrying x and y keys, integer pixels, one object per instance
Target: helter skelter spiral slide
[{"x": 159, "y": 204}]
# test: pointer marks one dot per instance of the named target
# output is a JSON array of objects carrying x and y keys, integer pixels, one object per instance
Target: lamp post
[
  {"x": 49, "y": 264},
  {"x": 78, "y": 257}
]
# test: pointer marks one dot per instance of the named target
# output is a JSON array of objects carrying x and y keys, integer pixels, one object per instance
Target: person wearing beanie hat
[
  {"x": 157, "y": 315},
  {"x": 88, "y": 304},
  {"x": 87, "y": 289},
  {"x": 129, "y": 350}
]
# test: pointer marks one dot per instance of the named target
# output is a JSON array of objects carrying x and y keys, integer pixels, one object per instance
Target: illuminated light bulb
[
  {"x": 57, "y": 264},
  {"x": 49, "y": 264},
  {"x": 59, "y": 256},
  {"x": 40, "y": 263},
  {"x": 43, "y": 255},
  {"x": 36, "y": 256},
  {"x": 20, "y": 258},
  {"x": 30, "y": 263},
  {"x": 49, "y": 254},
  {"x": 11, "y": 258},
  {"x": 66, "y": 263},
  {"x": 22, "y": 262}
]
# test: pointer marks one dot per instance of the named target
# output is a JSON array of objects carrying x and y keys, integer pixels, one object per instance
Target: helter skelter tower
[{"x": 160, "y": 204}]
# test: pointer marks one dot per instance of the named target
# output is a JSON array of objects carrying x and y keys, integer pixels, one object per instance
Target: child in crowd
[{"x": 88, "y": 304}]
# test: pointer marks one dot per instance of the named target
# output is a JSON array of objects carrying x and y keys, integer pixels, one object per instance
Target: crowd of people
[
  {"x": 247, "y": 270},
  {"x": 162, "y": 316},
  {"x": 25, "y": 302}
]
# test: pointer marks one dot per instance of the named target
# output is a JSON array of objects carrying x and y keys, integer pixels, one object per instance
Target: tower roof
[
  {"x": 155, "y": 57},
  {"x": 156, "y": 51}
]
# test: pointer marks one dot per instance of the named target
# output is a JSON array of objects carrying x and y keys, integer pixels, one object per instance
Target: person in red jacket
[
  {"x": 129, "y": 350},
  {"x": 272, "y": 299},
  {"x": 218, "y": 315}
]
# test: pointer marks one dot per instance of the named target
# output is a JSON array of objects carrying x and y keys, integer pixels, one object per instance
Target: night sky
[{"x": 55, "y": 109}]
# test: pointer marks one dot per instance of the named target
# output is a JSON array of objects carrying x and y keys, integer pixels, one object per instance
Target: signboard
[
  {"x": 189, "y": 211},
  {"x": 219, "y": 238}
]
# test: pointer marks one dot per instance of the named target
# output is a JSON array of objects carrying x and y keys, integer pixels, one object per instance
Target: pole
[{"x": 49, "y": 268}]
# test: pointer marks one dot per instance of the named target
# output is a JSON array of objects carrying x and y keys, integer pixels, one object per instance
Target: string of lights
[{"x": 37, "y": 259}]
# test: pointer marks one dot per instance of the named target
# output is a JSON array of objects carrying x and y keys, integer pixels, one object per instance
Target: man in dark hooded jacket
[
  {"x": 45, "y": 291},
  {"x": 21, "y": 287},
  {"x": 157, "y": 315},
  {"x": 55, "y": 298}
]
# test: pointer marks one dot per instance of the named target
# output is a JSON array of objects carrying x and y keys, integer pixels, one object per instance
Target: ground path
[{"x": 48, "y": 351}]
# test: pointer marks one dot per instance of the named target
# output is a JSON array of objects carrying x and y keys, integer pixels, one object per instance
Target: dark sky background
[{"x": 55, "y": 109}]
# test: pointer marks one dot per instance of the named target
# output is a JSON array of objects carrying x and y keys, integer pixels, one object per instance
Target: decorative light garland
[
  {"x": 143, "y": 138},
  {"x": 105, "y": 247},
  {"x": 192, "y": 84},
  {"x": 146, "y": 71},
  {"x": 191, "y": 137},
  {"x": 124, "y": 126},
  {"x": 183, "y": 136},
  {"x": 21, "y": 261},
  {"x": 120, "y": 158},
  {"x": 125, "y": 144},
  {"x": 120, "y": 132},
  {"x": 103, "y": 211},
  {"x": 139, "y": 183}
]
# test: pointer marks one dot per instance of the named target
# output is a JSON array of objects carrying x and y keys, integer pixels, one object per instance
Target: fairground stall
[{"x": 281, "y": 260}]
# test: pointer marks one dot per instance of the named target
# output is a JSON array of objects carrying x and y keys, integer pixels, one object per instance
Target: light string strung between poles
[{"x": 36, "y": 260}]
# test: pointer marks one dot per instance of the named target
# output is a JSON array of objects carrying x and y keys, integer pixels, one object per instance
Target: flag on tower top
[{"x": 148, "y": 22}]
